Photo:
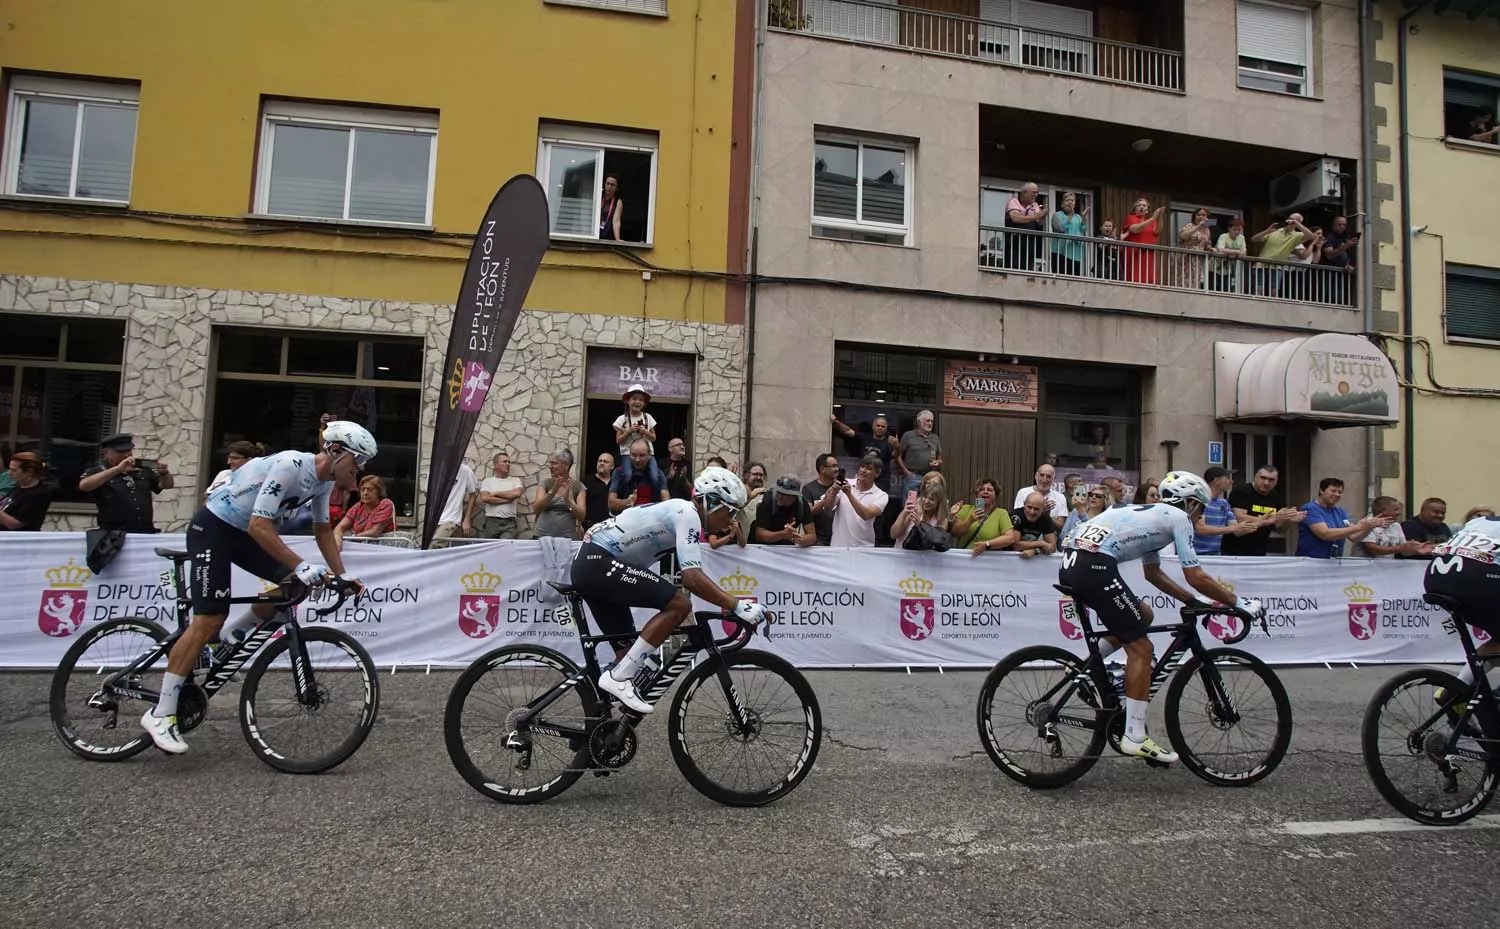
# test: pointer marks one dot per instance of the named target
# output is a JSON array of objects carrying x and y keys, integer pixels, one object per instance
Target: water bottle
[
  {"x": 1117, "y": 680},
  {"x": 649, "y": 666}
]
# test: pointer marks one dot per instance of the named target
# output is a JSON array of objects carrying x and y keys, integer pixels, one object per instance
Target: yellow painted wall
[
  {"x": 493, "y": 69},
  {"x": 1456, "y": 437}
]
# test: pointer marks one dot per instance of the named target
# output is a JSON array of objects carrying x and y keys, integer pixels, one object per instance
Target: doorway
[{"x": 673, "y": 419}]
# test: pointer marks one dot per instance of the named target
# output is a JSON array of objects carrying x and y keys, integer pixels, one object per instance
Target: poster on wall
[{"x": 994, "y": 388}]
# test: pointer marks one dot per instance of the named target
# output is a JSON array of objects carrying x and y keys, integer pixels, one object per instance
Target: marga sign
[{"x": 974, "y": 386}]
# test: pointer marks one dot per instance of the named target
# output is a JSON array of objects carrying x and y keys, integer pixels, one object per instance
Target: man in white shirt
[
  {"x": 498, "y": 494},
  {"x": 458, "y": 512},
  {"x": 1056, "y": 503},
  {"x": 857, "y": 506}
]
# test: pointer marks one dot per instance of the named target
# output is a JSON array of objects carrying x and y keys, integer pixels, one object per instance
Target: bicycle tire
[
  {"x": 1071, "y": 664},
  {"x": 1370, "y": 749},
  {"x": 62, "y": 720},
  {"x": 453, "y": 738},
  {"x": 370, "y": 707},
  {"x": 1198, "y": 765},
  {"x": 812, "y": 739}
]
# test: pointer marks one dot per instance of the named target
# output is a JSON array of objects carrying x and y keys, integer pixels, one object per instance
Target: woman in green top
[{"x": 975, "y": 527}]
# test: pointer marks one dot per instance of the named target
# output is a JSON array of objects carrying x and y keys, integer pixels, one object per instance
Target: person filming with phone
[
  {"x": 858, "y": 505},
  {"x": 122, "y": 485}
]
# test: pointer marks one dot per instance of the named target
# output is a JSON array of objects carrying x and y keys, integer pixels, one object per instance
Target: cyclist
[
  {"x": 240, "y": 525},
  {"x": 1467, "y": 567},
  {"x": 610, "y": 573},
  {"x": 1091, "y": 567}
]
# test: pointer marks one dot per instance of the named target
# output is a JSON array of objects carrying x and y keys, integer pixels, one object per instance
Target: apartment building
[
  {"x": 1437, "y": 76},
  {"x": 892, "y": 139},
  {"x": 219, "y": 221}
]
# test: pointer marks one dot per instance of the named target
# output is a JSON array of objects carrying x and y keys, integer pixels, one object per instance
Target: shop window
[
  {"x": 886, "y": 378},
  {"x": 272, "y": 387},
  {"x": 1090, "y": 419},
  {"x": 60, "y": 392}
]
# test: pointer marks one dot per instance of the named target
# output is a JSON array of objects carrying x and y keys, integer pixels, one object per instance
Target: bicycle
[
  {"x": 1447, "y": 739},
  {"x": 565, "y": 717},
  {"x": 123, "y": 661},
  {"x": 1099, "y": 711}
]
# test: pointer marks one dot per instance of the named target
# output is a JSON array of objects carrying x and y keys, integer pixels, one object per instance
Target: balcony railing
[
  {"x": 981, "y": 40},
  {"x": 1047, "y": 254}
]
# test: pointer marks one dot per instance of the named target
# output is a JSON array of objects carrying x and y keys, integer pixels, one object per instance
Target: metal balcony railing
[
  {"x": 878, "y": 23},
  {"x": 1024, "y": 251}
]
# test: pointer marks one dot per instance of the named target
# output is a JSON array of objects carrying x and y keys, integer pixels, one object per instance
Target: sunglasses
[{"x": 1096, "y": 496}]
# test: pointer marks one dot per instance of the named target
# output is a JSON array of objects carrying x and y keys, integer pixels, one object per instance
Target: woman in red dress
[{"x": 1140, "y": 227}]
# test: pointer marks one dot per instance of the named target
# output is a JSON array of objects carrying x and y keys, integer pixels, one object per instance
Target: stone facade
[{"x": 535, "y": 406}]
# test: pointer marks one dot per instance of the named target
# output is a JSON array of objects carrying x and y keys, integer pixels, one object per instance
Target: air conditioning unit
[{"x": 1319, "y": 180}]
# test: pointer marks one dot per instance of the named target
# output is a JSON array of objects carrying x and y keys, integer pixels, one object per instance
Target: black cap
[
  {"x": 119, "y": 442},
  {"x": 1213, "y": 474},
  {"x": 788, "y": 485}
]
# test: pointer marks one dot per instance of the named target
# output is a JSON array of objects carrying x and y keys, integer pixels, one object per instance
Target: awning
[{"x": 1334, "y": 378}]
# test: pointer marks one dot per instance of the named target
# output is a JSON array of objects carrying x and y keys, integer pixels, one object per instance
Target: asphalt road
[{"x": 903, "y": 822}]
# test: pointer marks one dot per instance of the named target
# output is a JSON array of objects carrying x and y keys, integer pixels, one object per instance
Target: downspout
[
  {"x": 762, "y": 17},
  {"x": 1408, "y": 361},
  {"x": 1367, "y": 249}
]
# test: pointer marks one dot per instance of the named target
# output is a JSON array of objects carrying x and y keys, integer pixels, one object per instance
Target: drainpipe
[
  {"x": 1408, "y": 362},
  {"x": 762, "y": 17},
  {"x": 1367, "y": 250}
]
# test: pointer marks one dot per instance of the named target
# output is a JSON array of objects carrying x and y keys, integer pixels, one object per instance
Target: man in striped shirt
[{"x": 1217, "y": 519}]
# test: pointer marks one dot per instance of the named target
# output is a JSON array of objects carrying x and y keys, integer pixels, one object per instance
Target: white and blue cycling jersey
[
  {"x": 1130, "y": 532},
  {"x": 1479, "y": 539},
  {"x": 272, "y": 487},
  {"x": 641, "y": 535}
]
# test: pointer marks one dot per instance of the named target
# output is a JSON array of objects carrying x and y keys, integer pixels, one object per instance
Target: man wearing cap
[
  {"x": 122, "y": 488},
  {"x": 1217, "y": 519},
  {"x": 783, "y": 518}
]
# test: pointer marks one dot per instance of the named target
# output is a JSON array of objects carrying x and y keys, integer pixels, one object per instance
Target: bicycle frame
[
  {"x": 1481, "y": 696},
  {"x": 699, "y": 641}
]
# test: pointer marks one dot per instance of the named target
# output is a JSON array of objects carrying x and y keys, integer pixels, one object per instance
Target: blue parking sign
[{"x": 1216, "y": 453}]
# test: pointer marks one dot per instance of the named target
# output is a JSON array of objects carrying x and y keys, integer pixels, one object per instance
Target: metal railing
[
  {"x": 878, "y": 23},
  {"x": 1050, "y": 254}
]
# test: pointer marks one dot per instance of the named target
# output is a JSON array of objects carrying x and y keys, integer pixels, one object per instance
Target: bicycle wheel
[
  {"x": 478, "y": 723},
  {"x": 783, "y": 720},
  {"x": 1225, "y": 754},
  {"x": 1405, "y": 739},
  {"x": 344, "y": 700},
  {"x": 86, "y": 718},
  {"x": 1031, "y": 680}
]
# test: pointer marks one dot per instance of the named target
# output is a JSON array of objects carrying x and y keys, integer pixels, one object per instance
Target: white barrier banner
[{"x": 833, "y": 607}]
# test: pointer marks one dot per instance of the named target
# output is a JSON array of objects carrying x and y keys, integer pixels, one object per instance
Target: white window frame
[
  {"x": 24, "y": 89},
  {"x": 1307, "y": 77},
  {"x": 276, "y": 113},
  {"x": 642, "y": 7},
  {"x": 619, "y": 140},
  {"x": 907, "y": 230}
]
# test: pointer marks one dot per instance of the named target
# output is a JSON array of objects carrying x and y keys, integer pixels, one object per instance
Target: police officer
[{"x": 121, "y": 488}]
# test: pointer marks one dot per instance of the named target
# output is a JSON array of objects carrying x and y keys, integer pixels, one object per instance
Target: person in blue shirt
[
  {"x": 1217, "y": 519},
  {"x": 1327, "y": 527}
]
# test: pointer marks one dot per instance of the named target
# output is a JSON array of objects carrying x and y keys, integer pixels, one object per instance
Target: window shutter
[
  {"x": 1052, "y": 18},
  {"x": 1473, "y": 306},
  {"x": 1273, "y": 33},
  {"x": 1465, "y": 91}
]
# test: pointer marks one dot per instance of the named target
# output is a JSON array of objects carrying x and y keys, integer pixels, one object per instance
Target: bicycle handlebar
[
  {"x": 743, "y": 633},
  {"x": 294, "y": 592},
  {"x": 1206, "y": 611}
]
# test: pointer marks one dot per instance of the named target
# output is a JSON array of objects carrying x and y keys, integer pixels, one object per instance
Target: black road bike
[
  {"x": 1053, "y": 695},
  {"x": 1432, "y": 745},
  {"x": 524, "y": 722},
  {"x": 303, "y": 678}
]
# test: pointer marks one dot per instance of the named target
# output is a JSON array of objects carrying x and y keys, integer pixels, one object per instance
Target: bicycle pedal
[{"x": 1153, "y": 763}]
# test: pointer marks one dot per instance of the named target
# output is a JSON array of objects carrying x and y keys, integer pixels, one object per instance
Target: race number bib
[
  {"x": 1471, "y": 545},
  {"x": 1090, "y": 536}
]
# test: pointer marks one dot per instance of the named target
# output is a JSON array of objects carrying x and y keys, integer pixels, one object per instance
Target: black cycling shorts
[
  {"x": 1097, "y": 584},
  {"x": 611, "y": 587},
  {"x": 1475, "y": 584},
  {"x": 215, "y": 546}
]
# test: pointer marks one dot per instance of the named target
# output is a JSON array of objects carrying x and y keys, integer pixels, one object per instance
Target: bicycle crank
[
  {"x": 192, "y": 706},
  {"x": 612, "y": 744}
]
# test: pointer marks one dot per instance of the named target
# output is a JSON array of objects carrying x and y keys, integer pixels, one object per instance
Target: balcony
[
  {"x": 1012, "y": 44},
  {"x": 1047, "y": 254}
]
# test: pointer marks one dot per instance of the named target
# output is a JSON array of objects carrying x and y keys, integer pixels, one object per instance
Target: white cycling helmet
[
  {"x": 1179, "y": 487},
  {"x": 353, "y": 437},
  {"x": 720, "y": 486}
]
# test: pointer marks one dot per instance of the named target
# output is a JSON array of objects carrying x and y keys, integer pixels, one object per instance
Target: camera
[
  {"x": 841, "y": 476},
  {"x": 145, "y": 464}
]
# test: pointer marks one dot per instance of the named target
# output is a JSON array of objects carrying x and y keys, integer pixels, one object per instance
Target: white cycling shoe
[
  {"x": 1148, "y": 749},
  {"x": 623, "y": 691},
  {"x": 163, "y": 731}
]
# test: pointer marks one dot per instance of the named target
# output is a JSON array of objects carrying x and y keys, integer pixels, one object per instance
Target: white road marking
[{"x": 1359, "y": 826}]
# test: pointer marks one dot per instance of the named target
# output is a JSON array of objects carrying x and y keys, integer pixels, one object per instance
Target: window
[
  {"x": 1470, "y": 104},
  {"x": 576, "y": 165},
  {"x": 1091, "y": 418},
  {"x": 861, "y": 376},
  {"x": 271, "y": 387},
  {"x": 345, "y": 164},
  {"x": 1275, "y": 47},
  {"x": 59, "y": 392},
  {"x": 70, "y": 139},
  {"x": 860, "y": 191},
  {"x": 995, "y": 195},
  {"x": 657, "y": 7},
  {"x": 1471, "y": 306}
]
